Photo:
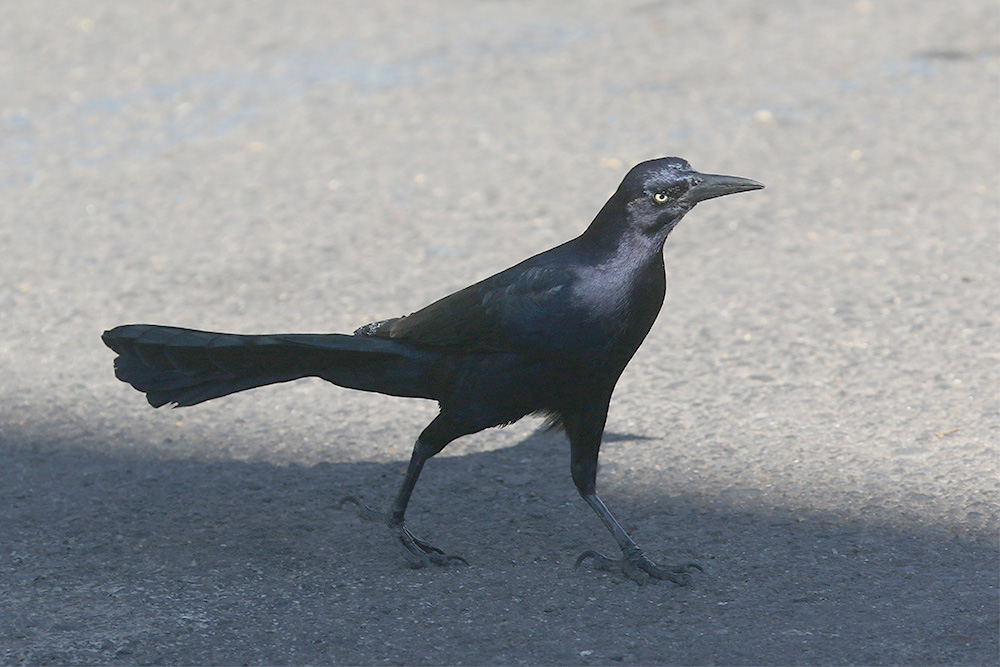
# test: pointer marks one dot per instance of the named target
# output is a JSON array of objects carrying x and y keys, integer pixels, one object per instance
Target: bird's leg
[
  {"x": 419, "y": 553},
  {"x": 633, "y": 564},
  {"x": 585, "y": 429}
]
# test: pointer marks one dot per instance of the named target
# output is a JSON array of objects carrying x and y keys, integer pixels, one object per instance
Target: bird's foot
[
  {"x": 419, "y": 553},
  {"x": 640, "y": 569}
]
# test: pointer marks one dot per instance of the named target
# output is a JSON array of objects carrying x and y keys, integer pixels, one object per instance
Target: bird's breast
[{"x": 617, "y": 305}]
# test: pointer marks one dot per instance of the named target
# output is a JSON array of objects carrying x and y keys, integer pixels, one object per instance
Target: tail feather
[{"x": 186, "y": 366}]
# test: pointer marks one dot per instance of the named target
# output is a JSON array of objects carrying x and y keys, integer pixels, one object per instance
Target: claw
[
  {"x": 600, "y": 560},
  {"x": 640, "y": 569},
  {"x": 420, "y": 553}
]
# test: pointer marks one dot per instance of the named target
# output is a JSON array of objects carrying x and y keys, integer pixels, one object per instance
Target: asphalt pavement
[{"x": 813, "y": 419}]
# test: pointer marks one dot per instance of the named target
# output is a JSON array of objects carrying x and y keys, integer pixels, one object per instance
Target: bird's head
[{"x": 658, "y": 193}]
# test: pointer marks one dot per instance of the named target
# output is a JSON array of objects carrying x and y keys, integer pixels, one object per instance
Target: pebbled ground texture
[{"x": 813, "y": 419}]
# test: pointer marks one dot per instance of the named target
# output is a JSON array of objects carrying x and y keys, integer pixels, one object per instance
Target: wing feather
[{"x": 502, "y": 313}]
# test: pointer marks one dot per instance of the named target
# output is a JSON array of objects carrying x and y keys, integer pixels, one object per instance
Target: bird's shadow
[{"x": 107, "y": 522}]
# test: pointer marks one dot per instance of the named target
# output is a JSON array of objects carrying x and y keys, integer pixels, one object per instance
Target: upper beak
[{"x": 716, "y": 185}]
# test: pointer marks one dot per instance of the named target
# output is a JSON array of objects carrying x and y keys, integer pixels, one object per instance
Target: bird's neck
[{"x": 612, "y": 235}]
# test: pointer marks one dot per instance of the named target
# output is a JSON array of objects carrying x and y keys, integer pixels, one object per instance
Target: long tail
[{"x": 186, "y": 366}]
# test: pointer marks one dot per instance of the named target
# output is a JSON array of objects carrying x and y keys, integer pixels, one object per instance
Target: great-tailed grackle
[{"x": 548, "y": 336}]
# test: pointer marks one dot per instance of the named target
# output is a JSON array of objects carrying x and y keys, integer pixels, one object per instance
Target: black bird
[{"x": 548, "y": 336}]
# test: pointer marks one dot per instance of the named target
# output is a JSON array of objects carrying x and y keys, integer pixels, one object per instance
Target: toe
[
  {"x": 600, "y": 560},
  {"x": 420, "y": 554},
  {"x": 444, "y": 560},
  {"x": 364, "y": 512},
  {"x": 640, "y": 569},
  {"x": 678, "y": 574},
  {"x": 635, "y": 572}
]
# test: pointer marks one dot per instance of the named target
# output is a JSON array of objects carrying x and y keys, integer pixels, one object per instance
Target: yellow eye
[{"x": 660, "y": 197}]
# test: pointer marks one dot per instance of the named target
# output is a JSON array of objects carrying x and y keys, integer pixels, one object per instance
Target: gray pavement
[{"x": 813, "y": 418}]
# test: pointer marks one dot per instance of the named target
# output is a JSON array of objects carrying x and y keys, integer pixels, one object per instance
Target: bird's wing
[{"x": 504, "y": 312}]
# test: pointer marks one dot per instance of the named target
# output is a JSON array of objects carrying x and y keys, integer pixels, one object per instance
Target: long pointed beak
[{"x": 716, "y": 185}]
